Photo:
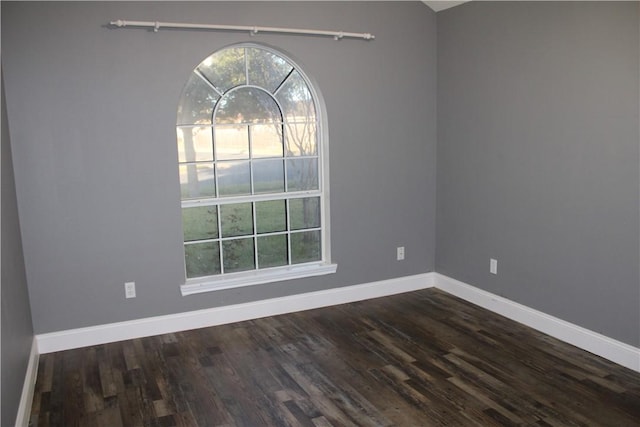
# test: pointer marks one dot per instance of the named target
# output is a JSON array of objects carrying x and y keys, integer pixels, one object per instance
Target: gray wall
[
  {"x": 538, "y": 160},
  {"x": 92, "y": 112},
  {"x": 17, "y": 330},
  {"x": 538, "y": 157}
]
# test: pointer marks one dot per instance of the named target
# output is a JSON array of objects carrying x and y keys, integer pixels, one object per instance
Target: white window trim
[
  {"x": 256, "y": 277},
  {"x": 289, "y": 272}
]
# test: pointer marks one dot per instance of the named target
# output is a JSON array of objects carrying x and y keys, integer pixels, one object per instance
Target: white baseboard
[
  {"x": 598, "y": 344},
  {"x": 94, "y": 335},
  {"x": 593, "y": 342},
  {"x": 585, "y": 339},
  {"x": 26, "y": 398}
]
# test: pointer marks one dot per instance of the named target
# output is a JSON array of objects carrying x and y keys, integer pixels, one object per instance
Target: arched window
[{"x": 253, "y": 171}]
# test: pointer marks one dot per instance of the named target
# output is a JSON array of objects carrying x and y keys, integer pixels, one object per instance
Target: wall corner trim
[
  {"x": 100, "y": 334},
  {"x": 26, "y": 398},
  {"x": 593, "y": 342}
]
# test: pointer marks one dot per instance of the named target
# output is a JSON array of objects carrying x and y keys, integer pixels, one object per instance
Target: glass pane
[
  {"x": 236, "y": 219},
  {"x": 238, "y": 255},
  {"x": 301, "y": 139},
  {"x": 197, "y": 180},
  {"x": 224, "y": 69},
  {"x": 200, "y": 223},
  {"x": 232, "y": 142},
  {"x": 234, "y": 178},
  {"x": 272, "y": 251},
  {"x": 305, "y": 213},
  {"x": 305, "y": 247},
  {"x": 202, "y": 259},
  {"x": 271, "y": 216},
  {"x": 247, "y": 105},
  {"x": 266, "y": 140},
  {"x": 266, "y": 69},
  {"x": 197, "y": 102},
  {"x": 268, "y": 176},
  {"x": 194, "y": 144},
  {"x": 296, "y": 100},
  {"x": 302, "y": 174}
]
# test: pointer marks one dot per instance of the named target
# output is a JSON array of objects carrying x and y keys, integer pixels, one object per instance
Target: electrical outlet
[
  {"x": 400, "y": 253},
  {"x": 493, "y": 266},
  {"x": 130, "y": 290}
]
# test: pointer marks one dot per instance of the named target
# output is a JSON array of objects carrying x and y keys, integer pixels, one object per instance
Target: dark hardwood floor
[{"x": 417, "y": 359}]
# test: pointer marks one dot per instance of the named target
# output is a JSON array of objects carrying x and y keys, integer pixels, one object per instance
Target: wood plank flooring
[{"x": 418, "y": 359}]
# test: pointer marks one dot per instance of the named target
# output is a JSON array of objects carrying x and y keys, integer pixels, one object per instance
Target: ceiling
[{"x": 443, "y": 4}]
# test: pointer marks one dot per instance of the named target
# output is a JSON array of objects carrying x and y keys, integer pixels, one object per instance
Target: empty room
[{"x": 317, "y": 213}]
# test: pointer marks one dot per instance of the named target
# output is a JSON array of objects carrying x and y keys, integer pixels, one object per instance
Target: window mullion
[
  {"x": 246, "y": 66},
  {"x": 255, "y": 236},
  {"x": 215, "y": 156},
  {"x": 206, "y": 80},
  {"x": 275, "y": 92},
  {"x": 219, "y": 216},
  {"x": 191, "y": 203},
  {"x": 288, "y": 213},
  {"x": 250, "y": 138},
  {"x": 286, "y": 174}
]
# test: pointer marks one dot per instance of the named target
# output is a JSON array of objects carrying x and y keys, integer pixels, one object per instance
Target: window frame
[{"x": 258, "y": 276}]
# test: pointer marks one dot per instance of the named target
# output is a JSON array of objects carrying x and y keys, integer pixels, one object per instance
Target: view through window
[{"x": 250, "y": 165}]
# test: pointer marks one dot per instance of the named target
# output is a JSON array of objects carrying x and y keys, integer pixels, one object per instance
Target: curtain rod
[{"x": 337, "y": 35}]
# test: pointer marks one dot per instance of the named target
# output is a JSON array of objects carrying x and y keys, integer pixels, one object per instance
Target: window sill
[{"x": 251, "y": 278}]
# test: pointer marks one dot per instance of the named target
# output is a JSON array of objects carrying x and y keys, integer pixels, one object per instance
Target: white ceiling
[{"x": 442, "y": 4}]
